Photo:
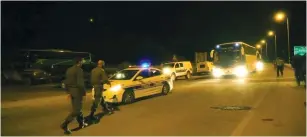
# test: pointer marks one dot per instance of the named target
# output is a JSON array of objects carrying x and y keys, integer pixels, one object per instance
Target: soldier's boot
[
  {"x": 64, "y": 126},
  {"x": 92, "y": 117},
  {"x": 114, "y": 107},
  {"x": 106, "y": 108},
  {"x": 81, "y": 122}
]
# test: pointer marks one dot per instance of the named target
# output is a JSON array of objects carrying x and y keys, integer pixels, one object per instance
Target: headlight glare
[
  {"x": 166, "y": 70},
  {"x": 217, "y": 72},
  {"x": 241, "y": 71},
  {"x": 116, "y": 88},
  {"x": 259, "y": 66}
]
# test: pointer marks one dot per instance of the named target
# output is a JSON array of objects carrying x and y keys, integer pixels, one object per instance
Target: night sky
[{"x": 130, "y": 31}]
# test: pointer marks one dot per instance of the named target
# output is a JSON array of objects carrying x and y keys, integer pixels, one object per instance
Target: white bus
[{"x": 235, "y": 58}]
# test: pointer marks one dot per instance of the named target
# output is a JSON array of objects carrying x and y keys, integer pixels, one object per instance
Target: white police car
[{"x": 136, "y": 82}]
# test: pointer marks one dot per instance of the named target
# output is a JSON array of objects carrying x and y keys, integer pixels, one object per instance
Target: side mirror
[{"x": 139, "y": 78}]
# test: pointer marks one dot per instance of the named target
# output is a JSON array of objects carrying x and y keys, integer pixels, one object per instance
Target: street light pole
[
  {"x": 288, "y": 39},
  {"x": 261, "y": 52},
  {"x": 266, "y": 49}
]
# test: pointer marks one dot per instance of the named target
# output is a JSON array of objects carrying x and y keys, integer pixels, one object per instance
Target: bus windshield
[{"x": 226, "y": 58}]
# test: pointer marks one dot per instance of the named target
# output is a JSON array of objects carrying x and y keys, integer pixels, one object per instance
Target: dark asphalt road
[{"x": 277, "y": 108}]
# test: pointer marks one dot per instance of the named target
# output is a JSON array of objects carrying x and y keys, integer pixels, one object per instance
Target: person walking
[
  {"x": 98, "y": 79},
  {"x": 279, "y": 67},
  {"x": 76, "y": 92},
  {"x": 299, "y": 65}
]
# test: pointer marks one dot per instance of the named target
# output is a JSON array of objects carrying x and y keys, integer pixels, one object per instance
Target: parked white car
[{"x": 178, "y": 69}]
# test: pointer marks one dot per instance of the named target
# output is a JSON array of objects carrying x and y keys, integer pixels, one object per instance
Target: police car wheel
[
  {"x": 165, "y": 89},
  {"x": 128, "y": 97}
]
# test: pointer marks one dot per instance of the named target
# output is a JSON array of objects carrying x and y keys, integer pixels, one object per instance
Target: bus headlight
[
  {"x": 217, "y": 72},
  {"x": 167, "y": 71},
  {"x": 116, "y": 88},
  {"x": 241, "y": 71},
  {"x": 259, "y": 66}
]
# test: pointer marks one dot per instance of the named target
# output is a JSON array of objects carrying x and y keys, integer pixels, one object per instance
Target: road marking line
[{"x": 242, "y": 125}]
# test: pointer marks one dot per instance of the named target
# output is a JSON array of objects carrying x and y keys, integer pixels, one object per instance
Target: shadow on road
[
  {"x": 91, "y": 122},
  {"x": 143, "y": 98}
]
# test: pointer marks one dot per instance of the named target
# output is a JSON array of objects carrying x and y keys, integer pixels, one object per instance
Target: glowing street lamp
[
  {"x": 271, "y": 33},
  {"x": 91, "y": 20},
  {"x": 263, "y": 41},
  {"x": 258, "y": 46},
  {"x": 279, "y": 17}
]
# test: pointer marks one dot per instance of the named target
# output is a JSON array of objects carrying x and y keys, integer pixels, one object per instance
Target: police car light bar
[
  {"x": 145, "y": 65},
  {"x": 134, "y": 66}
]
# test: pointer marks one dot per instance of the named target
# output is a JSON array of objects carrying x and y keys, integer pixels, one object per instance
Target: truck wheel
[
  {"x": 173, "y": 77},
  {"x": 188, "y": 76}
]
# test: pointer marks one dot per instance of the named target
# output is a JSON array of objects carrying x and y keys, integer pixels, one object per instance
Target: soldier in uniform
[
  {"x": 98, "y": 78},
  {"x": 299, "y": 65},
  {"x": 76, "y": 92},
  {"x": 280, "y": 66}
]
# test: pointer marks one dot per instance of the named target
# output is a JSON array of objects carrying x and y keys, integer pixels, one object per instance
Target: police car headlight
[
  {"x": 240, "y": 71},
  {"x": 167, "y": 71},
  {"x": 116, "y": 88},
  {"x": 217, "y": 72},
  {"x": 259, "y": 66}
]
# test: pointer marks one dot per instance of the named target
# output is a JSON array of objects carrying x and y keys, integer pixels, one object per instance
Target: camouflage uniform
[
  {"x": 98, "y": 78},
  {"x": 75, "y": 88},
  {"x": 280, "y": 67}
]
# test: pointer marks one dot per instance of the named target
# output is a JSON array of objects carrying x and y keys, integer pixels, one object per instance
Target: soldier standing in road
[
  {"x": 279, "y": 66},
  {"x": 299, "y": 66},
  {"x": 98, "y": 78},
  {"x": 76, "y": 91}
]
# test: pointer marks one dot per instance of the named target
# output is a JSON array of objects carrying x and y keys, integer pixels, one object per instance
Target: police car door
[
  {"x": 156, "y": 81},
  {"x": 142, "y": 86}
]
